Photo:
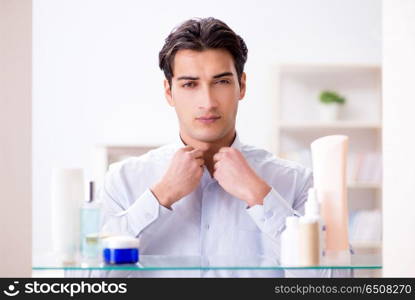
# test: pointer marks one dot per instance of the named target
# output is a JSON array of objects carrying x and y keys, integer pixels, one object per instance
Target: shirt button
[
  {"x": 207, "y": 226},
  {"x": 269, "y": 214}
]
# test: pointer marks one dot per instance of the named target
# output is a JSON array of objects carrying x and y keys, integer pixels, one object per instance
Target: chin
[{"x": 208, "y": 137}]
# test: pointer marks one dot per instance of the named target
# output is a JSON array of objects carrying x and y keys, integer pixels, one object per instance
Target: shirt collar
[{"x": 235, "y": 144}]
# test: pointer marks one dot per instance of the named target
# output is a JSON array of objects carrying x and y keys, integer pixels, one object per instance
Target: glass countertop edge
[
  {"x": 136, "y": 268},
  {"x": 177, "y": 262}
]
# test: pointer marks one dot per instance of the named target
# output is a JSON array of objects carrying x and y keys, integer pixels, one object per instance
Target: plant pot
[{"x": 329, "y": 112}]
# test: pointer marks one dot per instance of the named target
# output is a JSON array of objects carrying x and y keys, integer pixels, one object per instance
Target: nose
[{"x": 207, "y": 99}]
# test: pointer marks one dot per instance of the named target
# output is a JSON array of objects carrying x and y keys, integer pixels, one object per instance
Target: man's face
[{"x": 205, "y": 93}]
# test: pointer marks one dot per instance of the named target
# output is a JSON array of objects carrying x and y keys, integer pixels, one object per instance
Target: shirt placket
[{"x": 205, "y": 221}]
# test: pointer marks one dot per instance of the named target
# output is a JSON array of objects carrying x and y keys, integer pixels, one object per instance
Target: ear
[
  {"x": 242, "y": 88},
  {"x": 167, "y": 92}
]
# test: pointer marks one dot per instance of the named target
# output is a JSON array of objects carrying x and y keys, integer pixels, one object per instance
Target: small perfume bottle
[{"x": 90, "y": 225}]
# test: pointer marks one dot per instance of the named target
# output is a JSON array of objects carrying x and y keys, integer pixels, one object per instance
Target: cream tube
[{"x": 329, "y": 155}]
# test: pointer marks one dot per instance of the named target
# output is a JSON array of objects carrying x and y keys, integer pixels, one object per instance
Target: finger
[
  {"x": 217, "y": 157},
  {"x": 216, "y": 166},
  {"x": 200, "y": 161},
  {"x": 187, "y": 148},
  {"x": 199, "y": 172},
  {"x": 196, "y": 153},
  {"x": 224, "y": 149}
]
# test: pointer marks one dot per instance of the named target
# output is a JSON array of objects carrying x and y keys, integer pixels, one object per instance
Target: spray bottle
[
  {"x": 90, "y": 225},
  {"x": 311, "y": 233}
]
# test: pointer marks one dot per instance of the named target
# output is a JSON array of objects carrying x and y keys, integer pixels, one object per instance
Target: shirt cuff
[
  {"x": 270, "y": 216},
  {"x": 145, "y": 210}
]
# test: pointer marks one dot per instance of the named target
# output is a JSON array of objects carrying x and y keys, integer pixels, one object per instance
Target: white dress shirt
[{"x": 209, "y": 222}]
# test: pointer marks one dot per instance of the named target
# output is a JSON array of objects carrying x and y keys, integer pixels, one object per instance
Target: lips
[{"x": 208, "y": 119}]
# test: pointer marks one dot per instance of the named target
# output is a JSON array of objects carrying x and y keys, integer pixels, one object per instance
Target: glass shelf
[{"x": 165, "y": 262}]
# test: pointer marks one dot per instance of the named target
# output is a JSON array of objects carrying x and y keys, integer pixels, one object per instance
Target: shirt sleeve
[
  {"x": 270, "y": 217},
  {"x": 119, "y": 216},
  {"x": 133, "y": 220}
]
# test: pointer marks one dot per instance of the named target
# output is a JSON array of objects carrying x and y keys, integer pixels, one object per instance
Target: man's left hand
[{"x": 234, "y": 174}]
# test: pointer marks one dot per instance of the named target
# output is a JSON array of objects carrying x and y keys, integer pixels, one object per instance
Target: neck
[{"x": 209, "y": 148}]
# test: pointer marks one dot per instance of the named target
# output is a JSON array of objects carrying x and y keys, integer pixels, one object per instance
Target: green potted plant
[{"x": 330, "y": 105}]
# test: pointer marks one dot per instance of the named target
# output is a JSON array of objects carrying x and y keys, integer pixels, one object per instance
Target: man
[{"x": 208, "y": 194}]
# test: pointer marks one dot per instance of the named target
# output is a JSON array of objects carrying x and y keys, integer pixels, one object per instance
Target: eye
[
  {"x": 189, "y": 84},
  {"x": 223, "y": 81}
]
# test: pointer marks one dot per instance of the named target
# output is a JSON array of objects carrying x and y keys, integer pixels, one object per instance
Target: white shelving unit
[{"x": 298, "y": 123}]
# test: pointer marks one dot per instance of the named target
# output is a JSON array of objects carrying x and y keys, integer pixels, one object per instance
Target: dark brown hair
[{"x": 202, "y": 34}]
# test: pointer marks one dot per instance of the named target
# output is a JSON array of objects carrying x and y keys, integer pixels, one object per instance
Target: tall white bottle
[
  {"x": 290, "y": 242},
  {"x": 67, "y": 193},
  {"x": 329, "y": 155}
]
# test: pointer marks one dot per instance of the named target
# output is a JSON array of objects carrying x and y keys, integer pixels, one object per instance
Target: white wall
[
  {"x": 96, "y": 76},
  {"x": 15, "y": 138},
  {"x": 398, "y": 138}
]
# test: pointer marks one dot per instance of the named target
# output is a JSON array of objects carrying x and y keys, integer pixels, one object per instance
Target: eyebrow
[
  {"x": 223, "y": 74},
  {"x": 197, "y": 78}
]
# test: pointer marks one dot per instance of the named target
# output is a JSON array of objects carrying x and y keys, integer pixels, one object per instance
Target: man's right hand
[{"x": 181, "y": 178}]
